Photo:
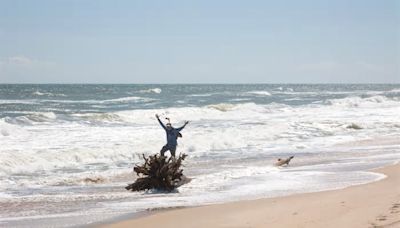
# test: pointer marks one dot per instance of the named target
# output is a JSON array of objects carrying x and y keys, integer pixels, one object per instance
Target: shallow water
[{"x": 54, "y": 136}]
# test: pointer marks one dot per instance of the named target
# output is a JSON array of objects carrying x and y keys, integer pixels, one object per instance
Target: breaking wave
[
  {"x": 394, "y": 91},
  {"x": 259, "y": 93},
  {"x": 99, "y": 117},
  {"x": 223, "y": 107},
  {"x": 153, "y": 90},
  {"x": 131, "y": 99},
  {"x": 31, "y": 118},
  {"x": 127, "y": 99},
  {"x": 38, "y": 93},
  {"x": 29, "y": 101},
  {"x": 373, "y": 101}
]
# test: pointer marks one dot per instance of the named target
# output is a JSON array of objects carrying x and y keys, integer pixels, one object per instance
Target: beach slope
[{"x": 375, "y": 204}]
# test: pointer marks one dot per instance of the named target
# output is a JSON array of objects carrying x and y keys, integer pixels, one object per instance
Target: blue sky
[{"x": 95, "y": 41}]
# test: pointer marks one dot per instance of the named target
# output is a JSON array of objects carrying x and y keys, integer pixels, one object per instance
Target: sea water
[{"x": 54, "y": 139}]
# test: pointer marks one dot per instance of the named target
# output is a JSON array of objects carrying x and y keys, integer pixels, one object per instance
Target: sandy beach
[{"x": 374, "y": 204}]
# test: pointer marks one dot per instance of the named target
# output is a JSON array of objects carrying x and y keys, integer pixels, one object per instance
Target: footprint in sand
[
  {"x": 381, "y": 218},
  {"x": 395, "y": 208}
]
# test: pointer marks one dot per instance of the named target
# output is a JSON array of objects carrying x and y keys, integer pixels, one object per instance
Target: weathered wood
[{"x": 158, "y": 172}]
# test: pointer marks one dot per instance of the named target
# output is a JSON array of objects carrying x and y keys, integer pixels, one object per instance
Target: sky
[{"x": 225, "y": 41}]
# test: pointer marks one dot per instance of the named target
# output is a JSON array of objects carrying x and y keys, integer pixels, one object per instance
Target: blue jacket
[{"x": 172, "y": 134}]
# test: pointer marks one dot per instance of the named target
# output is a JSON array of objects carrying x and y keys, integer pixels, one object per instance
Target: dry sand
[{"x": 375, "y": 204}]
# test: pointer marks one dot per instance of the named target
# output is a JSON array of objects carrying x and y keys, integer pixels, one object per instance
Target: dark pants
[{"x": 167, "y": 147}]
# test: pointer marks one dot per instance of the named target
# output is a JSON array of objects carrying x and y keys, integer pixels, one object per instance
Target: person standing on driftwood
[{"x": 172, "y": 136}]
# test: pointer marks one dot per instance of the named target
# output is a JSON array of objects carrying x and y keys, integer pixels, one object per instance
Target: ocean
[{"x": 54, "y": 139}]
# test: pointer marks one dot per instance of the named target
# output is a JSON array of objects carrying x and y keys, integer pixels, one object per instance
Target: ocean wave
[
  {"x": 241, "y": 99},
  {"x": 32, "y": 118},
  {"x": 42, "y": 116},
  {"x": 393, "y": 91},
  {"x": 245, "y": 108},
  {"x": 280, "y": 88},
  {"x": 317, "y": 93},
  {"x": 38, "y": 93},
  {"x": 348, "y": 93},
  {"x": 28, "y": 101},
  {"x": 223, "y": 107},
  {"x": 8, "y": 129},
  {"x": 108, "y": 101},
  {"x": 355, "y": 101},
  {"x": 126, "y": 100},
  {"x": 201, "y": 95},
  {"x": 259, "y": 93},
  {"x": 31, "y": 161},
  {"x": 99, "y": 117},
  {"x": 291, "y": 92},
  {"x": 4, "y": 128},
  {"x": 153, "y": 90}
]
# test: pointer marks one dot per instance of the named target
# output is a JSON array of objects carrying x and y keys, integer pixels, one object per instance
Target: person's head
[{"x": 169, "y": 126}]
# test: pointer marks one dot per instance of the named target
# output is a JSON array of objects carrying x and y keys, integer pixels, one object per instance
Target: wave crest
[
  {"x": 100, "y": 117},
  {"x": 223, "y": 107},
  {"x": 38, "y": 93},
  {"x": 362, "y": 102},
  {"x": 259, "y": 93},
  {"x": 153, "y": 90},
  {"x": 126, "y": 99}
]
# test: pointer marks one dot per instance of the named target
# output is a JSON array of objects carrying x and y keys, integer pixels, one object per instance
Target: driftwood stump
[{"x": 158, "y": 172}]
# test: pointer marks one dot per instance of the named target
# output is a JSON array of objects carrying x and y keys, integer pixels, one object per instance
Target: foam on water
[
  {"x": 38, "y": 93},
  {"x": 9, "y": 101},
  {"x": 261, "y": 93},
  {"x": 126, "y": 99},
  {"x": 152, "y": 90},
  {"x": 107, "y": 101}
]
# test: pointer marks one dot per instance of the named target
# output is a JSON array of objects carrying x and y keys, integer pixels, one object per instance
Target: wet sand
[{"x": 374, "y": 204}]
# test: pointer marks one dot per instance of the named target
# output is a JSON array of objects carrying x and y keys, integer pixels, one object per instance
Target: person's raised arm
[
  {"x": 184, "y": 125},
  {"x": 161, "y": 123}
]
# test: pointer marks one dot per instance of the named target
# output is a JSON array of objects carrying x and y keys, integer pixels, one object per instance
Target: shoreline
[{"x": 374, "y": 204}]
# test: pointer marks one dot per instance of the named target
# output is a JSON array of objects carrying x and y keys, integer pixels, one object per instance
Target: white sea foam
[
  {"x": 7, "y": 130},
  {"x": 259, "y": 93},
  {"x": 32, "y": 117},
  {"x": 372, "y": 102},
  {"x": 394, "y": 91},
  {"x": 28, "y": 101},
  {"x": 222, "y": 107},
  {"x": 130, "y": 99},
  {"x": 201, "y": 95},
  {"x": 99, "y": 117},
  {"x": 39, "y": 93},
  {"x": 241, "y": 99},
  {"x": 153, "y": 90},
  {"x": 127, "y": 99},
  {"x": 42, "y": 116}
]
